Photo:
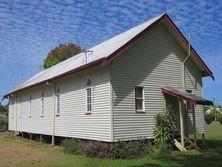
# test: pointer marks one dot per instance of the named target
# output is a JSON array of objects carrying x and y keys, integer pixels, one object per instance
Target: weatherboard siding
[
  {"x": 194, "y": 82},
  {"x": 11, "y": 115},
  {"x": 153, "y": 62},
  {"x": 34, "y": 123},
  {"x": 72, "y": 121}
]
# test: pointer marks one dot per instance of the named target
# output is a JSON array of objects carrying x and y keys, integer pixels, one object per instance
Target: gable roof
[{"x": 102, "y": 54}]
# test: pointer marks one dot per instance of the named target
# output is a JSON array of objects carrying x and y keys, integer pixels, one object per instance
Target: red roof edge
[
  {"x": 177, "y": 95},
  {"x": 91, "y": 64},
  {"x": 118, "y": 52},
  {"x": 208, "y": 71},
  {"x": 122, "y": 49}
]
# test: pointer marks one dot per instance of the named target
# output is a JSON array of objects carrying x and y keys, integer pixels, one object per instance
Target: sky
[{"x": 30, "y": 29}]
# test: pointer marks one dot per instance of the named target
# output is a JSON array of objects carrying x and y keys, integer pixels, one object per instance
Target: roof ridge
[
  {"x": 103, "y": 53},
  {"x": 103, "y": 50}
]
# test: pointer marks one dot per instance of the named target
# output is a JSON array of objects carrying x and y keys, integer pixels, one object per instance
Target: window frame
[
  {"x": 42, "y": 104},
  {"x": 143, "y": 99},
  {"x": 88, "y": 97},
  {"x": 20, "y": 107},
  {"x": 58, "y": 101},
  {"x": 12, "y": 108},
  {"x": 189, "y": 105},
  {"x": 30, "y": 106}
]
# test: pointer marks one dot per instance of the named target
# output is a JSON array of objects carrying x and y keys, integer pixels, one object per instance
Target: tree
[
  {"x": 61, "y": 53},
  {"x": 3, "y": 117},
  {"x": 4, "y": 109}
]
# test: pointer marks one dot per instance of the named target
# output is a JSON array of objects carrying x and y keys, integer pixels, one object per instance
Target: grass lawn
[{"x": 25, "y": 153}]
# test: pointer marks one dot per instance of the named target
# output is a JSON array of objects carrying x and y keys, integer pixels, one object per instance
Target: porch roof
[{"x": 184, "y": 95}]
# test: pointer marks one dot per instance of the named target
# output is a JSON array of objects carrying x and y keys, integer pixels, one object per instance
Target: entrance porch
[{"x": 183, "y": 103}]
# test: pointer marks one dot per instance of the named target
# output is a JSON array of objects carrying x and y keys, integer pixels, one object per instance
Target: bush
[
  {"x": 72, "y": 146},
  {"x": 132, "y": 149},
  {"x": 96, "y": 149},
  {"x": 120, "y": 149},
  {"x": 209, "y": 118},
  {"x": 165, "y": 128},
  {"x": 219, "y": 118},
  {"x": 161, "y": 150}
]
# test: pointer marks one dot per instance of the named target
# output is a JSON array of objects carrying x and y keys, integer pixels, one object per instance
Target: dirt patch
[
  {"x": 15, "y": 153},
  {"x": 11, "y": 153}
]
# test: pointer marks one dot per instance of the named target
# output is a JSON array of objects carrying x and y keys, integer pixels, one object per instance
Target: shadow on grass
[
  {"x": 148, "y": 165},
  {"x": 212, "y": 144},
  {"x": 209, "y": 155}
]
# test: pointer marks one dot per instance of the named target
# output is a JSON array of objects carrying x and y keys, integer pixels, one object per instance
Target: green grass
[{"x": 25, "y": 153}]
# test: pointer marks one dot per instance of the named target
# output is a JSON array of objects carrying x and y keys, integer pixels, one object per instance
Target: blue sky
[{"x": 30, "y": 29}]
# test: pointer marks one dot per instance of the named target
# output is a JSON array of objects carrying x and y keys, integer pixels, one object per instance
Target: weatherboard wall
[
  {"x": 11, "y": 114},
  {"x": 194, "y": 82},
  {"x": 34, "y": 122},
  {"x": 72, "y": 121},
  {"x": 153, "y": 62}
]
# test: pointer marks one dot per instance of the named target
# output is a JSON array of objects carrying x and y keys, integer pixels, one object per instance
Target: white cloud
[{"x": 29, "y": 29}]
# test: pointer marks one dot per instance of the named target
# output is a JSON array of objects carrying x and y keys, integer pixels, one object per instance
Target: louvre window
[
  {"x": 42, "y": 104},
  {"x": 13, "y": 108},
  {"x": 189, "y": 104},
  {"x": 88, "y": 96},
  {"x": 57, "y": 101},
  {"x": 30, "y": 106},
  {"x": 20, "y": 107},
  {"x": 139, "y": 99}
]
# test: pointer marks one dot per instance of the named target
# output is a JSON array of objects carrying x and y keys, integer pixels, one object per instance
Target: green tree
[
  {"x": 61, "y": 53},
  {"x": 4, "y": 109},
  {"x": 3, "y": 117}
]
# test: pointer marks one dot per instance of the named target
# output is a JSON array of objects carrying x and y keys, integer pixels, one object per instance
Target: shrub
[
  {"x": 219, "y": 117},
  {"x": 209, "y": 118},
  {"x": 161, "y": 150},
  {"x": 72, "y": 146},
  {"x": 165, "y": 128},
  {"x": 132, "y": 149},
  {"x": 120, "y": 149},
  {"x": 96, "y": 149}
]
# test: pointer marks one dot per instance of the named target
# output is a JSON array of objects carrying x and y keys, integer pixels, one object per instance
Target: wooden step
[
  {"x": 179, "y": 146},
  {"x": 188, "y": 144}
]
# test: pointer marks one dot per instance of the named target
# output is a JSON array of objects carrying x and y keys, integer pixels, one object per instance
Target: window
[
  {"x": 57, "y": 101},
  {"x": 30, "y": 106},
  {"x": 42, "y": 104},
  {"x": 139, "y": 99},
  {"x": 20, "y": 107},
  {"x": 12, "y": 108},
  {"x": 189, "y": 104},
  {"x": 88, "y": 96}
]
